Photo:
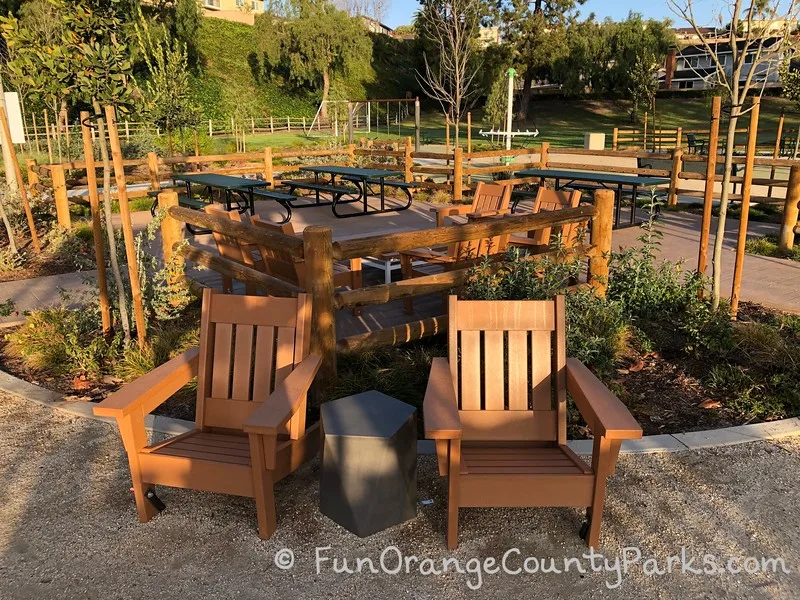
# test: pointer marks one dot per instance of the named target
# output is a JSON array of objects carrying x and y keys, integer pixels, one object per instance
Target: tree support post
[
  {"x": 127, "y": 226},
  {"x": 708, "y": 193},
  {"x": 747, "y": 185},
  {"x": 97, "y": 226}
]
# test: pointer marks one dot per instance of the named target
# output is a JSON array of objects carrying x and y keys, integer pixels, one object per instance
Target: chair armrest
[
  {"x": 483, "y": 214},
  {"x": 150, "y": 390},
  {"x": 285, "y": 399},
  {"x": 606, "y": 415},
  {"x": 440, "y": 407}
]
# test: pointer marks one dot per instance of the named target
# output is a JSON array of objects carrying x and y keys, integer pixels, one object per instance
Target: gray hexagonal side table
[{"x": 369, "y": 462}]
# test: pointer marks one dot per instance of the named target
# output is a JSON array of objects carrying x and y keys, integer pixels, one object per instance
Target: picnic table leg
[
  {"x": 633, "y": 204},
  {"x": 618, "y": 216}
]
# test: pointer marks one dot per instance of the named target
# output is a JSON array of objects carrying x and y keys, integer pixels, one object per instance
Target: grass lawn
[{"x": 561, "y": 122}]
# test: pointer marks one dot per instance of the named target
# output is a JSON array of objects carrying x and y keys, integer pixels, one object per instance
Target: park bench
[
  {"x": 250, "y": 429},
  {"x": 387, "y": 183},
  {"x": 282, "y": 198},
  {"x": 502, "y": 442},
  {"x": 335, "y": 191}
]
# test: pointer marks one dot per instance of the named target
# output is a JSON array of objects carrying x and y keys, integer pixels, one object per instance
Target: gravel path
[{"x": 68, "y": 529}]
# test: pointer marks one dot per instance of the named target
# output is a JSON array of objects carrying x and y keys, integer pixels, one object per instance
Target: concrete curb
[{"x": 649, "y": 444}]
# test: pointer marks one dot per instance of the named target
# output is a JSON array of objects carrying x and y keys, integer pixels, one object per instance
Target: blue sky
[{"x": 402, "y": 11}]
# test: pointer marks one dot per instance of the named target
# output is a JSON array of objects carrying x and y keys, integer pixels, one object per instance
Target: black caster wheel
[
  {"x": 155, "y": 500},
  {"x": 584, "y": 530}
]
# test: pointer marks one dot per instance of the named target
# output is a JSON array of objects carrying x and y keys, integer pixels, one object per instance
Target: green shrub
[
  {"x": 75, "y": 246},
  {"x": 648, "y": 289},
  {"x": 707, "y": 331},
  {"x": 11, "y": 261},
  {"x": 768, "y": 246},
  {"x": 61, "y": 341},
  {"x": 598, "y": 333}
]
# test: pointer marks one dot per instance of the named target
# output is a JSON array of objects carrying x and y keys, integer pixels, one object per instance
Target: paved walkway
[{"x": 68, "y": 528}]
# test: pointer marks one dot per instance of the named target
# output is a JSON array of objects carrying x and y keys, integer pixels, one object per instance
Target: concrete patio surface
[{"x": 68, "y": 529}]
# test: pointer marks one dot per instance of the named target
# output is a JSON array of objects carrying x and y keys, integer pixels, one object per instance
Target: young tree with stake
[{"x": 755, "y": 50}]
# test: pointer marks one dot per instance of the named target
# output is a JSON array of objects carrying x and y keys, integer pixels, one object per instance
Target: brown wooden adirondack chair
[
  {"x": 284, "y": 266},
  {"x": 503, "y": 442},
  {"x": 457, "y": 255},
  {"x": 488, "y": 197},
  {"x": 250, "y": 431},
  {"x": 539, "y": 240},
  {"x": 231, "y": 248}
]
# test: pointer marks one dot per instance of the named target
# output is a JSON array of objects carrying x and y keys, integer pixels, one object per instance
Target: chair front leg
[
  {"x": 453, "y": 489},
  {"x": 603, "y": 458},
  {"x": 263, "y": 484},
  {"x": 131, "y": 428}
]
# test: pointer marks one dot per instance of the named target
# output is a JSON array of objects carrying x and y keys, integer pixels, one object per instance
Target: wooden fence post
[
  {"x": 210, "y": 129},
  {"x": 458, "y": 174},
  {"x": 152, "y": 168},
  {"x": 677, "y": 162},
  {"x": 708, "y": 194},
  {"x": 614, "y": 137},
  {"x": 60, "y": 196},
  {"x": 790, "y": 210},
  {"x": 171, "y": 229},
  {"x": 408, "y": 162},
  {"x": 97, "y": 226},
  {"x": 544, "y": 155},
  {"x": 747, "y": 185},
  {"x": 127, "y": 226},
  {"x": 271, "y": 125},
  {"x": 351, "y": 154},
  {"x": 318, "y": 253},
  {"x": 601, "y": 240},
  {"x": 268, "y": 172},
  {"x": 679, "y": 138}
]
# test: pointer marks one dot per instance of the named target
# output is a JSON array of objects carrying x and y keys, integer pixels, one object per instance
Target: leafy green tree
[
  {"x": 494, "y": 111},
  {"x": 537, "y": 33},
  {"x": 166, "y": 98},
  {"x": 643, "y": 77},
  {"x": 310, "y": 43}
]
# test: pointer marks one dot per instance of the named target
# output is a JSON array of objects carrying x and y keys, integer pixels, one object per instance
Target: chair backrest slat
[
  {"x": 471, "y": 370},
  {"x": 494, "y": 371},
  {"x": 490, "y": 196},
  {"x": 504, "y": 357},
  {"x": 518, "y": 389},
  {"x": 264, "y": 361},
  {"x": 541, "y": 368},
  {"x": 242, "y": 362},
  {"x": 254, "y": 342},
  {"x": 221, "y": 374}
]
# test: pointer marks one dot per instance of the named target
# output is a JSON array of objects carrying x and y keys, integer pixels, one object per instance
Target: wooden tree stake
[
  {"x": 708, "y": 193},
  {"x": 97, "y": 227},
  {"x": 677, "y": 156},
  {"x": 60, "y": 196},
  {"x": 747, "y": 185},
  {"x": 23, "y": 194},
  {"x": 127, "y": 226}
]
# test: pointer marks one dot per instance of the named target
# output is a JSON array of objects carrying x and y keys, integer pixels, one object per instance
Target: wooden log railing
[{"x": 320, "y": 253}]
